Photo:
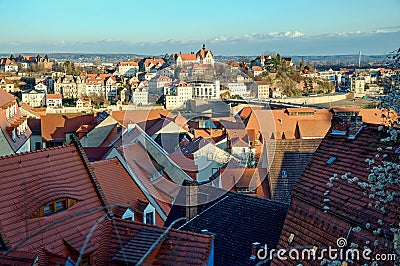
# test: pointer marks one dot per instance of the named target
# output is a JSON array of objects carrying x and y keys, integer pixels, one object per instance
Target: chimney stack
[
  {"x": 191, "y": 190},
  {"x": 346, "y": 124}
]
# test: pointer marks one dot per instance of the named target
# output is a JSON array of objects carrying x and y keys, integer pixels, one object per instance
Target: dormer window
[
  {"x": 53, "y": 207},
  {"x": 128, "y": 215},
  {"x": 149, "y": 216}
]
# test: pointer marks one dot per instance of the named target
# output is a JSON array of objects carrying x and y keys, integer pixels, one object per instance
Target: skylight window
[{"x": 331, "y": 161}]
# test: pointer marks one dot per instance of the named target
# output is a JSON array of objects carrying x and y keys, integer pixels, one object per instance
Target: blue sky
[{"x": 307, "y": 27}]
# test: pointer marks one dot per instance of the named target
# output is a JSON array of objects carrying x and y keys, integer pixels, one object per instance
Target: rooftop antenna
[{"x": 359, "y": 59}]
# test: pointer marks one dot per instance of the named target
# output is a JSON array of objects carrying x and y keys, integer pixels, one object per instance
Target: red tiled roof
[
  {"x": 178, "y": 248},
  {"x": 34, "y": 125},
  {"x": 237, "y": 179},
  {"x": 54, "y": 127},
  {"x": 7, "y": 125},
  {"x": 130, "y": 63},
  {"x": 5, "y": 98},
  {"x": 154, "y": 61},
  {"x": 144, "y": 167},
  {"x": 256, "y": 68},
  {"x": 117, "y": 184},
  {"x": 145, "y": 117},
  {"x": 7, "y": 81},
  {"x": 278, "y": 124},
  {"x": 186, "y": 162},
  {"x": 188, "y": 57},
  {"x": 53, "y": 96},
  {"x": 349, "y": 204},
  {"x": 32, "y": 180}
]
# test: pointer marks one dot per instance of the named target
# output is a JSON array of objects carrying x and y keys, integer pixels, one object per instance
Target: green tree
[{"x": 69, "y": 68}]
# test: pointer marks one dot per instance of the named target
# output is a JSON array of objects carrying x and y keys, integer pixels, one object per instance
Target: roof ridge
[{"x": 92, "y": 175}]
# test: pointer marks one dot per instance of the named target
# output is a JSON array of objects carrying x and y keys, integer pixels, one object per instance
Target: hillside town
[{"x": 182, "y": 160}]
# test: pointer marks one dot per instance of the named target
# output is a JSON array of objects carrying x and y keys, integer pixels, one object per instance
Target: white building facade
[{"x": 206, "y": 90}]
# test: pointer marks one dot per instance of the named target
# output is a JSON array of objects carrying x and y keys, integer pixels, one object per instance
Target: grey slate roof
[{"x": 236, "y": 221}]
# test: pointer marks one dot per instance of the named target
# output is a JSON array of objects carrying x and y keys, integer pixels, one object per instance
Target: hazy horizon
[{"x": 227, "y": 27}]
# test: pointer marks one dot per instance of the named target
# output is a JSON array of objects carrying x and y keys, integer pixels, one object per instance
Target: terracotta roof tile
[
  {"x": 32, "y": 180},
  {"x": 144, "y": 167},
  {"x": 141, "y": 117},
  {"x": 5, "y": 98},
  {"x": 349, "y": 204},
  {"x": 188, "y": 57},
  {"x": 53, "y": 96},
  {"x": 54, "y": 127},
  {"x": 117, "y": 184},
  {"x": 178, "y": 248}
]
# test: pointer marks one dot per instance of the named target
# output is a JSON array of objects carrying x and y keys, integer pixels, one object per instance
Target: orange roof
[
  {"x": 130, "y": 63},
  {"x": 162, "y": 190},
  {"x": 35, "y": 111},
  {"x": 53, "y": 96},
  {"x": 278, "y": 124},
  {"x": 373, "y": 116},
  {"x": 5, "y": 98},
  {"x": 7, "y": 81},
  {"x": 54, "y": 127},
  {"x": 188, "y": 57},
  {"x": 117, "y": 184},
  {"x": 154, "y": 61},
  {"x": 146, "y": 117},
  {"x": 256, "y": 68},
  {"x": 233, "y": 64},
  {"x": 300, "y": 110}
]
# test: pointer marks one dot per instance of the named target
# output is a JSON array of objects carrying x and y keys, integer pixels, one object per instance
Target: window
[
  {"x": 61, "y": 205},
  {"x": 54, "y": 207},
  {"x": 149, "y": 218},
  {"x": 48, "y": 209},
  {"x": 86, "y": 260}
]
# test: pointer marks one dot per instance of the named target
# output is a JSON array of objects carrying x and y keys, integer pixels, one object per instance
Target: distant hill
[{"x": 318, "y": 61}]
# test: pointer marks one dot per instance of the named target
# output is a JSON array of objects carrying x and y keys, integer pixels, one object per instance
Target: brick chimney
[
  {"x": 191, "y": 190},
  {"x": 346, "y": 125}
]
